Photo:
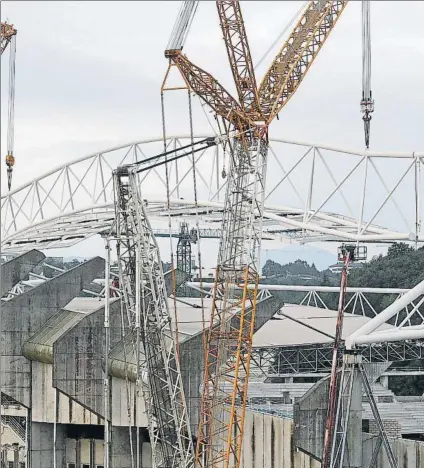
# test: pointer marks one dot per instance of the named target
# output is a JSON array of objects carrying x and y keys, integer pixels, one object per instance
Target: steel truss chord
[
  {"x": 276, "y": 361},
  {"x": 74, "y": 201}
]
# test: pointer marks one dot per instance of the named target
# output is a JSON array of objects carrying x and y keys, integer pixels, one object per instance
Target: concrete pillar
[
  {"x": 353, "y": 453},
  {"x": 16, "y": 457},
  {"x": 92, "y": 453},
  {"x": 78, "y": 453},
  {"x": 384, "y": 380}
]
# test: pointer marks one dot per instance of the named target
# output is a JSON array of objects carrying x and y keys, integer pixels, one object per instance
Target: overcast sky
[{"x": 88, "y": 76}]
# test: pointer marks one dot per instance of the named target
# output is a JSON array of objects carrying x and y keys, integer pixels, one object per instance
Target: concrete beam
[
  {"x": 24, "y": 315},
  {"x": 17, "y": 269}
]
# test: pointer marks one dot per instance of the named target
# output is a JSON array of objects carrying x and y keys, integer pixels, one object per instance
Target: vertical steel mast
[{"x": 142, "y": 282}]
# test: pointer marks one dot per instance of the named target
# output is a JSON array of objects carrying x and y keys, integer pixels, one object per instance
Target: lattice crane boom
[
  {"x": 238, "y": 50},
  {"x": 208, "y": 89},
  {"x": 296, "y": 56}
]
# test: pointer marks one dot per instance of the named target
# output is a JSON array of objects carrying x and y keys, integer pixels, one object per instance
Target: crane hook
[{"x": 10, "y": 162}]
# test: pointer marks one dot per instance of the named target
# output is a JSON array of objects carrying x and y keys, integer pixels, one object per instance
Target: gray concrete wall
[
  {"x": 267, "y": 441},
  {"x": 17, "y": 269},
  {"x": 42, "y": 445},
  {"x": 78, "y": 358},
  {"x": 86, "y": 449},
  {"x": 408, "y": 453},
  {"x": 121, "y": 392},
  {"x": 120, "y": 449},
  {"x": 43, "y": 400},
  {"x": 310, "y": 413},
  {"x": 27, "y": 313}
]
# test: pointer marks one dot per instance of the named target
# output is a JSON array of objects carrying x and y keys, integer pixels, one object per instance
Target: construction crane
[
  {"x": 143, "y": 287},
  {"x": 248, "y": 118},
  {"x": 8, "y": 36}
]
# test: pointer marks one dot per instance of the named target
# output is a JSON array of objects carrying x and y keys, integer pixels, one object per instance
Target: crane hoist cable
[
  {"x": 8, "y": 37},
  {"x": 10, "y": 159},
  {"x": 367, "y": 102},
  {"x": 182, "y": 25}
]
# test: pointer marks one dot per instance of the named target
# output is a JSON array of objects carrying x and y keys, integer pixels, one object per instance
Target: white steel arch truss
[{"x": 314, "y": 193}]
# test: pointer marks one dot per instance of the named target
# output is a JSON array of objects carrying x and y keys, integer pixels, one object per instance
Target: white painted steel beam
[
  {"x": 335, "y": 289},
  {"x": 366, "y": 331},
  {"x": 398, "y": 335}
]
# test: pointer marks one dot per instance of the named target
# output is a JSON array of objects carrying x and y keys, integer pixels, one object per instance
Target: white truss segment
[
  {"x": 369, "y": 333},
  {"x": 329, "y": 194}
]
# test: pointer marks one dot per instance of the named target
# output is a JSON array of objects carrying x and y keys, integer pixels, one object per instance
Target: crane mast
[
  {"x": 145, "y": 298},
  {"x": 347, "y": 257},
  {"x": 227, "y": 358}
]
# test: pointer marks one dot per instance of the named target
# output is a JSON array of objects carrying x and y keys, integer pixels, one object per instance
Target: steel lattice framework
[
  {"x": 326, "y": 192},
  {"x": 297, "y": 55},
  {"x": 145, "y": 297},
  {"x": 7, "y": 33}
]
